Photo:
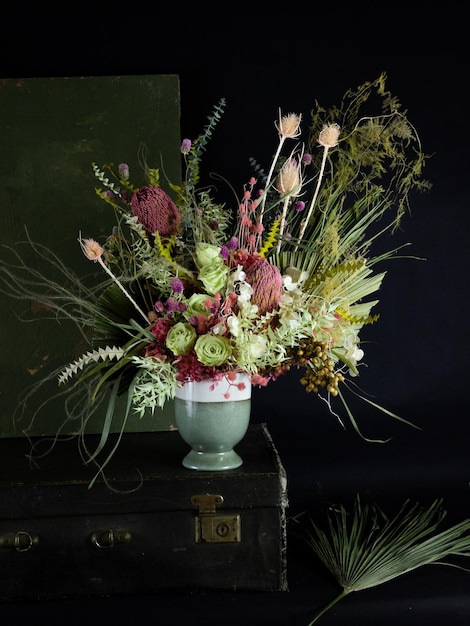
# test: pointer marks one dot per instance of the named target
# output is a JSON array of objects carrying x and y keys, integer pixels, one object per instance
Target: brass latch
[
  {"x": 108, "y": 537},
  {"x": 21, "y": 541},
  {"x": 212, "y": 528}
]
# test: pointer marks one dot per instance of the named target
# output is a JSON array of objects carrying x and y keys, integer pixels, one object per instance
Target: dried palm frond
[{"x": 365, "y": 548}]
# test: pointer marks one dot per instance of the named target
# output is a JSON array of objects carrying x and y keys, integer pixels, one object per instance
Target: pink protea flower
[
  {"x": 266, "y": 281},
  {"x": 156, "y": 211}
]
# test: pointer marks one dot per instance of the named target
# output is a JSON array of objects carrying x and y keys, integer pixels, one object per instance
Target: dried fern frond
[
  {"x": 271, "y": 237},
  {"x": 95, "y": 356}
]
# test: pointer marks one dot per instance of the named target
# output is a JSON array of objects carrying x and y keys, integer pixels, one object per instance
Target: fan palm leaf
[{"x": 366, "y": 548}]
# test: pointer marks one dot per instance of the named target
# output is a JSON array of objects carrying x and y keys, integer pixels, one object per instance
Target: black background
[{"x": 287, "y": 57}]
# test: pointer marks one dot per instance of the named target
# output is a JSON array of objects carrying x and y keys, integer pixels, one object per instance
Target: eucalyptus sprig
[{"x": 365, "y": 548}]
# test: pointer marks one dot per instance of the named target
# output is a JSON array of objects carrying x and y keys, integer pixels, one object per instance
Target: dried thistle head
[
  {"x": 289, "y": 180},
  {"x": 329, "y": 135},
  {"x": 91, "y": 249},
  {"x": 289, "y": 125}
]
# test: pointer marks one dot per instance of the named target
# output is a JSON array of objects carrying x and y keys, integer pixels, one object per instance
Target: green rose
[
  {"x": 197, "y": 305},
  {"x": 214, "y": 277},
  {"x": 212, "y": 350},
  {"x": 180, "y": 338},
  {"x": 206, "y": 254}
]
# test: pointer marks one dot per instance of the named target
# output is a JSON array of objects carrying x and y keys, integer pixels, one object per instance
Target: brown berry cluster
[{"x": 319, "y": 368}]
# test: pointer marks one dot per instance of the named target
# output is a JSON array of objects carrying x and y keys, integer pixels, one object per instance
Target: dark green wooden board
[{"x": 51, "y": 130}]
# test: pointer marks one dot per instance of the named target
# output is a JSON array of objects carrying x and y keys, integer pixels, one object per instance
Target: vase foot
[{"x": 212, "y": 461}]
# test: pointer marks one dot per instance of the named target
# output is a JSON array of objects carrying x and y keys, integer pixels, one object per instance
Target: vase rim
[{"x": 222, "y": 390}]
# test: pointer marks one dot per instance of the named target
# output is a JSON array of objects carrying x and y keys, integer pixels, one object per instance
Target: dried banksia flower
[
  {"x": 329, "y": 135},
  {"x": 156, "y": 211},
  {"x": 266, "y": 281}
]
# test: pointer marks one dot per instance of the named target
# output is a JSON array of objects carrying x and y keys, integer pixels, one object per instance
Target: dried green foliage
[
  {"x": 376, "y": 151},
  {"x": 364, "y": 548}
]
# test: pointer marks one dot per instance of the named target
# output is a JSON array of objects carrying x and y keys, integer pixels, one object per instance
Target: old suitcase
[{"x": 151, "y": 526}]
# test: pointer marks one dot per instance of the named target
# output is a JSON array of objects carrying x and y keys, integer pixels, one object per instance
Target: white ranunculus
[
  {"x": 244, "y": 293},
  {"x": 234, "y": 325},
  {"x": 257, "y": 346},
  {"x": 293, "y": 279}
]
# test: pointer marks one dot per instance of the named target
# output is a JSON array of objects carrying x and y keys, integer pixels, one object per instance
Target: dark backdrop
[{"x": 287, "y": 57}]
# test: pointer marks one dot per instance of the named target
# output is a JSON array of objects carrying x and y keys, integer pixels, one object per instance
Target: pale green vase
[{"x": 213, "y": 418}]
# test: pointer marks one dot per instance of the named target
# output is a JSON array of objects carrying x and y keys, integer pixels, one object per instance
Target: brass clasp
[
  {"x": 108, "y": 538},
  {"x": 212, "y": 528},
  {"x": 21, "y": 541}
]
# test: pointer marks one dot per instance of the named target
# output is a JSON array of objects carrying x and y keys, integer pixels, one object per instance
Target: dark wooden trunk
[{"x": 151, "y": 526}]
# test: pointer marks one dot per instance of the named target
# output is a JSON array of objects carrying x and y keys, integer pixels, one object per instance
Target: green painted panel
[{"x": 51, "y": 130}]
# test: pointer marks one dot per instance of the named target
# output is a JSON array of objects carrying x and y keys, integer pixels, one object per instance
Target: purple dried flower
[
  {"x": 185, "y": 146},
  {"x": 224, "y": 252},
  {"x": 123, "y": 170},
  {"x": 176, "y": 285},
  {"x": 172, "y": 304},
  {"x": 233, "y": 243},
  {"x": 306, "y": 158},
  {"x": 299, "y": 205},
  {"x": 215, "y": 306}
]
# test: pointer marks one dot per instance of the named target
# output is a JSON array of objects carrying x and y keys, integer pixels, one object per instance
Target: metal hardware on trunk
[
  {"x": 212, "y": 528},
  {"x": 108, "y": 538},
  {"x": 21, "y": 541}
]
